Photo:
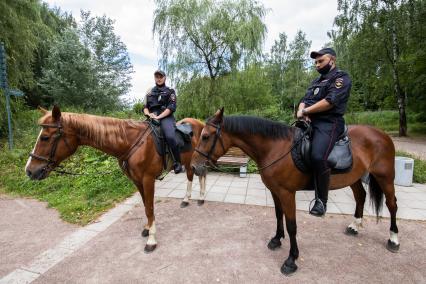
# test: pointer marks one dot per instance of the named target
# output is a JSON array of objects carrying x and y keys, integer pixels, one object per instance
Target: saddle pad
[{"x": 340, "y": 159}]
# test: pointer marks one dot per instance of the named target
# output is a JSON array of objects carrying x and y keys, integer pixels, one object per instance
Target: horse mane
[
  {"x": 251, "y": 125},
  {"x": 102, "y": 130}
]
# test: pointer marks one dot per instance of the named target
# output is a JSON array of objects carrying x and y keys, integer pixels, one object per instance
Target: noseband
[
  {"x": 217, "y": 137},
  {"x": 51, "y": 163}
]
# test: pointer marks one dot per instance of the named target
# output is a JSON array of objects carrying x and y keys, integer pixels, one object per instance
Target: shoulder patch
[{"x": 338, "y": 83}]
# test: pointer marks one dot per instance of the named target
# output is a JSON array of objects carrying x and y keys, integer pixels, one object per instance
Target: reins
[{"x": 302, "y": 124}]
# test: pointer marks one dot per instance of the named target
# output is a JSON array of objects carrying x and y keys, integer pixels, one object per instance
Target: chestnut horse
[
  {"x": 269, "y": 143},
  {"x": 127, "y": 140}
]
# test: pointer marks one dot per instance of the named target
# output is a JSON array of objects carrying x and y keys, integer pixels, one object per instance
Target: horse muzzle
[{"x": 37, "y": 174}]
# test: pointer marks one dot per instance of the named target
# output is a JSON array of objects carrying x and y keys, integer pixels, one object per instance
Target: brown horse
[
  {"x": 268, "y": 143},
  {"x": 127, "y": 140}
]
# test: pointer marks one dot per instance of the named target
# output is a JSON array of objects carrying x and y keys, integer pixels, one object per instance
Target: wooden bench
[{"x": 235, "y": 157}]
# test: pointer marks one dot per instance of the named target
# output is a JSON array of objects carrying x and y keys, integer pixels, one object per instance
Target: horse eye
[
  {"x": 44, "y": 138},
  {"x": 205, "y": 137}
]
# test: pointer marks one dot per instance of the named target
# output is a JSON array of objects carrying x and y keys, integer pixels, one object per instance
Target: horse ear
[
  {"x": 218, "y": 116},
  {"x": 56, "y": 113},
  {"x": 42, "y": 110}
]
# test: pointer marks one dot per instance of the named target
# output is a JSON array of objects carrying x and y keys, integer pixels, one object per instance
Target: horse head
[
  {"x": 211, "y": 145},
  {"x": 54, "y": 144}
]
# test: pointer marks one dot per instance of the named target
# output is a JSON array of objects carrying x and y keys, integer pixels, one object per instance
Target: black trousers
[
  {"x": 167, "y": 125},
  {"x": 325, "y": 131}
]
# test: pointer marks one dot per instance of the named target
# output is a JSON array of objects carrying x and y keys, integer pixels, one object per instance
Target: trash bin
[{"x": 404, "y": 171}]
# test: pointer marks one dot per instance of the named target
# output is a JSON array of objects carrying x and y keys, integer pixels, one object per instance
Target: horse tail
[{"x": 376, "y": 195}]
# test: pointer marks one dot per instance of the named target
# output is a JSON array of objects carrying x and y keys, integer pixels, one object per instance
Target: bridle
[
  {"x": 51, "y": 163},
  {"x": 217, "y": 137},
  {"x": 306, "y": 130}
]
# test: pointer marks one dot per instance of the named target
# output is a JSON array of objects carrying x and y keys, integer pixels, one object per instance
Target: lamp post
[{"x": 7, "y": 92}]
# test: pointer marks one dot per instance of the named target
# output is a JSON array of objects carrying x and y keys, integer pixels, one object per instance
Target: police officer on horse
[
  {"x": 160, "y": 104},
  {"x": 324, "y": 105}
]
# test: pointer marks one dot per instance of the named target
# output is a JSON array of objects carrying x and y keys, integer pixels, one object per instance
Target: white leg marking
[
  {"x": 30, "y": 158},
  {"x": 151, "y": 238},
  {"x": 394, "y": 237},
  {"x": 356, "y": 224},
  {"x": 188, "y": 191},
  {"x": 202, "y": 187}
]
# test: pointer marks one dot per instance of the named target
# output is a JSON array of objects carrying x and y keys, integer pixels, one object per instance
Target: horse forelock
[
  {"x": 251, "y": 125},
  {"x": 101, "y": 130}
]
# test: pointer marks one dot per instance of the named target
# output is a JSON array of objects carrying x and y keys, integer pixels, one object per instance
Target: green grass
[
  {"x": 387, "y": 120},
  {"x": 79, "y": 199}
]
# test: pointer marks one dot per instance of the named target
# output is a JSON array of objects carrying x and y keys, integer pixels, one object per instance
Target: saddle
[
  {"x": 183, "y": 134},
  {"x": 340, "y": 159}
]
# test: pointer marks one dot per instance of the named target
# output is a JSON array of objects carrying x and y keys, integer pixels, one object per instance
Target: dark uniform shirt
[
  {"x": 335, "y": 87},
  {"x": 160, "y": 99}
]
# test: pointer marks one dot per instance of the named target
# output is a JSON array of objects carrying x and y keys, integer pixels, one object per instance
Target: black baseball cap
[
  {"x": 328, "y": 50},
  {"x": 160, "y": 72}
]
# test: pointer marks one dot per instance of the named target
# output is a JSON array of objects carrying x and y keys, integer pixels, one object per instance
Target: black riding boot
[
  {"x": 177, "y": 166},
  {"x": 322, "y": 182}
]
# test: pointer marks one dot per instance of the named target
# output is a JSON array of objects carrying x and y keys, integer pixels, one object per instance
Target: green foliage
[
  {"x": 28, "y": 29},
  {"x": 287, "y": 69},
  {"x": 381, "y": 44},
  {"x": 89, "y": 67},
  {"x": 386, "y": 120},
  {"x": 208, "y": 38},
  {"x": 245, "y": 92}
]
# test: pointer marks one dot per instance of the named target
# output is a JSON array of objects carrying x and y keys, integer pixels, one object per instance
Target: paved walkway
[
  {"x": 110, "y": 249},
  {"x": 251, "y": 190}
]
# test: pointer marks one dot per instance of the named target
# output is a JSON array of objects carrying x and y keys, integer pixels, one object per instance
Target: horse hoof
[
  {"x": 149, "y": 248},
  {"x": 184, "y": 204},
  {"x": 200, "y": 202},
  {"x": 274, "y": 244},
  {"x": 145, "y": 233},
  {"x": 351, "y": 232},
  {"x": 392, "y": 247},
  {"x": 288, "y": 270}
]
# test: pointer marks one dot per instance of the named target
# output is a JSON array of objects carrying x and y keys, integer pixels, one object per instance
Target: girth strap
[{"x": 135, "y": 146}]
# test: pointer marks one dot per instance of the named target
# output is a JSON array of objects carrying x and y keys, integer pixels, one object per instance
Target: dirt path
[
  {"x": 226, "y": 243},
  {"x": 415, "y": 146},
  {"x": 27, "y": 228}
]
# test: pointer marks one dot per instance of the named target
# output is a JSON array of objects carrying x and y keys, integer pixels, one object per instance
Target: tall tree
[
  {"x": 372, "y": 35},
  {"x": 297, "y": 74},
  {"x": 206, "y": 37},
  {"x": 277, "y": 67},
  {"x": 88, "y": 67},
  {"x": 108, "y": 52}
]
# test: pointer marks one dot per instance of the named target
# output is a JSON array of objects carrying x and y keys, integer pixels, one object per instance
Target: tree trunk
[{"x": 397, "y": 86}]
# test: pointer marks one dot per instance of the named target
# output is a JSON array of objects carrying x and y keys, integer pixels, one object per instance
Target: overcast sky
[{"x": 133, "y": 23}]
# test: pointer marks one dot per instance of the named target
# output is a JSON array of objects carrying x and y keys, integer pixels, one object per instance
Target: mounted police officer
[
  {"x": 160, "y": 104},
  {"x": 324, "y": 105}
]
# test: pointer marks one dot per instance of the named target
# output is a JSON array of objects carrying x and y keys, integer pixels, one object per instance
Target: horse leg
[
  {"x": 190, "y": 177},
  {"x": 145, "y": 231},
  {"x": 359, "y": 194},
  {"x": 387, "y": 186},
  {"x": 202, "y": 180},
  {"x": 288, "y": 204},
  {"x": 148, "y": 186},
  {"x": 141, "y": 191},
  {"x": 275, "y": 242}
]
